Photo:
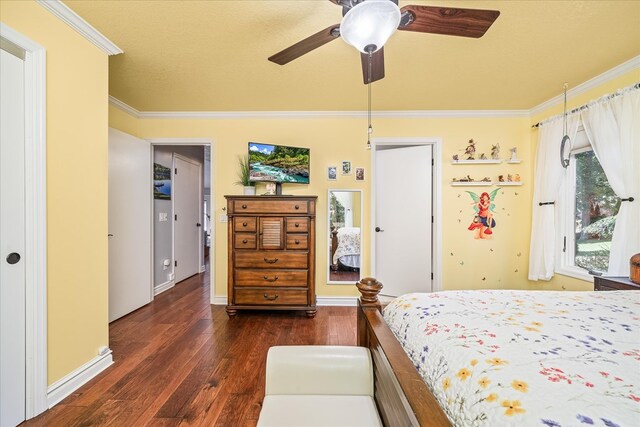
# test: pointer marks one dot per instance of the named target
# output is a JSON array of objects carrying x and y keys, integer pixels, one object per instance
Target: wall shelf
[
  {"x": 476, "y": 162},
  {"x": 471, "y": 184},
  {"x": 514, "y": 162},
  {"x": 508, "y": 184}
]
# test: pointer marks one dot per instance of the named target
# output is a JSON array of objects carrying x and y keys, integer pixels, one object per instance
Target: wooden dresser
[
  {"x": 614, "y": 284},
  {"x": 271, "y": 241}
]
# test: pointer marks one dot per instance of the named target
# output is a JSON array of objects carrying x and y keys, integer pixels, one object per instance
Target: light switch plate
[{"x": 224, "y": 218}]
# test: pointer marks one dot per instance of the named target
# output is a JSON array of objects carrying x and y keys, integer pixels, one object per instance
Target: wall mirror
[{"x": 344, "y": 236}]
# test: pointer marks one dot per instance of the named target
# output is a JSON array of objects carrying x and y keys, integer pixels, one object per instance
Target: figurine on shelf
[
  {"x": 517, "y": 178},
  {"x": 495, "y": 152},
  {"x": 514, "y": 154},
  {"x": 486, "y": 179},
  {"x": 509, "y": 178},
  {"x": 483, "y": 157},
  {"x": 470, "y": 151},
  {"x": 454, "y": 180},
  {"x": 455, "y": 158},
  {"x": 500, "y": 178},
  {"x": 466, "y": 179}
]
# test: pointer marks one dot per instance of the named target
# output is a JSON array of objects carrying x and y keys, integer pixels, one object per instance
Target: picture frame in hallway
[
  {"x": 332, "y": 173},
  {"x": 161, "y": 182},
  {"x": 360, "y": 174}
]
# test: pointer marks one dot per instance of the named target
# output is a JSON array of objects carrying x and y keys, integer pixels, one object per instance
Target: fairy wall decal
[{"x": 483, "y": 222}]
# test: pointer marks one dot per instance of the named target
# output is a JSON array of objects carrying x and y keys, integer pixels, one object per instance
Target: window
[{"x": 587, "y": 214}]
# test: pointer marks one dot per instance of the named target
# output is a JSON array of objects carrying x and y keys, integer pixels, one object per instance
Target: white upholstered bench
[{"x": 323, "y": 386}]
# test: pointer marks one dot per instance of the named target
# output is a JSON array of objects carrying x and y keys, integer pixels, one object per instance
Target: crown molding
[
  {"x": 124, "y": 107},
  {"x": 312, "y": 114},
  {"x": 615, "y": 72},
  {"x": 85, "y": 29}
]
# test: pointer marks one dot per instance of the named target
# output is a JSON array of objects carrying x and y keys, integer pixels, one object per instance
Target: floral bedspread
[
  {"x": 348, "y": 242},
  {"x": 518, "y": 358}
]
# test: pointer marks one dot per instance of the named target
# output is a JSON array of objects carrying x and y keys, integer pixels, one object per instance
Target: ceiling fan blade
[
  {"x": 377, "y": 66},
  {"x": 307, "y": 45},
  {"x": 449, "y": 21}
]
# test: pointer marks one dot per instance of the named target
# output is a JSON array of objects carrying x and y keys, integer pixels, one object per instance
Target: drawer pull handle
[
  {"x": 297, "y": 207},
  {"x": 244, "y": 241},
  {"x": 271, "y": 261},
  {"x": 244, "y": 206},
  {"x": 297, "y": 225},
  {"x": 297, "y": 242},
  {"x": 244, "y": 224},
  {"x": 273, "y": 298},
  {"x": 270, "y": 280}
]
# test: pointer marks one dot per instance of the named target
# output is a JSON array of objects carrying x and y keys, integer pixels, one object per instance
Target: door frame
[
  {"x": 436, "y": 192},
  {"x": 212, "y": 249},
  {"x": 200, "y": 209},
  {"x": 35, "y": 221}
]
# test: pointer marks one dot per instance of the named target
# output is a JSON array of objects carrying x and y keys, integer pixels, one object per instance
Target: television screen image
[{"x": 278, "y": 163}]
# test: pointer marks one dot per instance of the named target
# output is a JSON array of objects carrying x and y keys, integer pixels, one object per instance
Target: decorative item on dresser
[
  {"x": 614, "y": 284},
  {"x": 271, "y": 241}
]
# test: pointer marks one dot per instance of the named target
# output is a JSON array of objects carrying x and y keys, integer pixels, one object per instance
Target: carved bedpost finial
[{"x": 369, "y": 288}]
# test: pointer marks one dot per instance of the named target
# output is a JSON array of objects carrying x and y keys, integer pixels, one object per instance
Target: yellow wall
[
  {"x": 560, "y": 282},
  {"x": 77, "y": 122},
  {"x": 497, "y": 263}
]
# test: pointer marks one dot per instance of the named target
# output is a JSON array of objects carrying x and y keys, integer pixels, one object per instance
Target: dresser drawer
[
  {"x": 271, "y": 296},
  {"x": 297, "y": 241},
  {"x": 243, "y": 223},
  {"x": 271, "y": 278},
  {"x": 297, "y": 225},
  {"x": 244, "y": 240},
  {"x": 270, "y": 206},
  {"x": 271, "y": 259}
]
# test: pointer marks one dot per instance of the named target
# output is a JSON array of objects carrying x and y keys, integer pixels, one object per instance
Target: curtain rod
[{"x": 584, "y": 107}]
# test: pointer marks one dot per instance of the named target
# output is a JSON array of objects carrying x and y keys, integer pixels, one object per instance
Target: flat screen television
[{"x": 279, "y": 164}]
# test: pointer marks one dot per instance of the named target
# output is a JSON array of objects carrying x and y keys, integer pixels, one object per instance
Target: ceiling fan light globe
[{"x": 368, "y": 25}]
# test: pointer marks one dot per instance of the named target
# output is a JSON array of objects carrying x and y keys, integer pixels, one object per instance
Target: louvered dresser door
[{"x": 271, "y": 253}]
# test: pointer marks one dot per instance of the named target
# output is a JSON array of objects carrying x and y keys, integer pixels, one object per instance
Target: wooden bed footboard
[{"x": 402, "y": 397}]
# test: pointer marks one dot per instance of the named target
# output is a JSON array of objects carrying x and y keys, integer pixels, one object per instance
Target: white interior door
[
  {"x": 187, "y": 217},
  {"x": 403, "y": 212},
  {"x": 130, "y": 192},
  {"x": 12, "y": 242}
]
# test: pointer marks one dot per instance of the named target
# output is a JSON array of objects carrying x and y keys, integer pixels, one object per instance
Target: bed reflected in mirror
[{"x": 344, "y": 228}]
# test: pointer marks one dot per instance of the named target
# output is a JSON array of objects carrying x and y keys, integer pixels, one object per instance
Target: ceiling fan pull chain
[{"x": 370, "y": 128}]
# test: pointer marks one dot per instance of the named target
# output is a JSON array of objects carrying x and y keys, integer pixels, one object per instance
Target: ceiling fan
[{"x": 424, "y": 19}]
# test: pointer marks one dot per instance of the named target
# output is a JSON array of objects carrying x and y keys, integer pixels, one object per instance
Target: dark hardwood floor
[{"x": 182, "y": 362}]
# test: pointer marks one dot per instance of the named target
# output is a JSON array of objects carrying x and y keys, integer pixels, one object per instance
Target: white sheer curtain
[
  {"x": 548, "y": 174},
  {"x": 613, "y": 129}
]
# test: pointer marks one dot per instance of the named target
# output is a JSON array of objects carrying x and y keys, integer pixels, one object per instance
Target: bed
[
  {"x": 345, "y": 248},
  {"x": 496, "y": 358}
]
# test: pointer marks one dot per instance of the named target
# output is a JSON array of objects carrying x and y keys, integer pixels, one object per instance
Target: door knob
[
  {"x": 378, "y": 229},
  {"x": 13, "y": 258},
  {"x": 198, "y": 224}
]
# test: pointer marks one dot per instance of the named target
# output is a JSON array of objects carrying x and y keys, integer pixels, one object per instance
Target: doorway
[
  {"x": 405, "y": 214},
  {"x": 182, "y": 229}
]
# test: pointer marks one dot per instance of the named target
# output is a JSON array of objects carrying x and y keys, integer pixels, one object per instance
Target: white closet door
[
  {"x": 12, "y": 242},
  {"x": 403, "y": 217},
  {"x": 187, "y": 220},
  {"x": 130, "y": 192}
]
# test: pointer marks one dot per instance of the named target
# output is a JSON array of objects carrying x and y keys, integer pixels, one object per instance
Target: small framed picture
[
  {"x": 271, "y": 188},
  {"x": 359, "y": 174},
  {"x": 332, "y": 172},
  {"x": 346, "y": 168}
]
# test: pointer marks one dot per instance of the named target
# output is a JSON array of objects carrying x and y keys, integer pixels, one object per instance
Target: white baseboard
[
  {"x": 337, "y": 301},
  {"x": 321, "y": 301},
  {"x": 220, "y": 301},
  {"x": 76, "y": 379},
  {"x": 163, "y": 287}
]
